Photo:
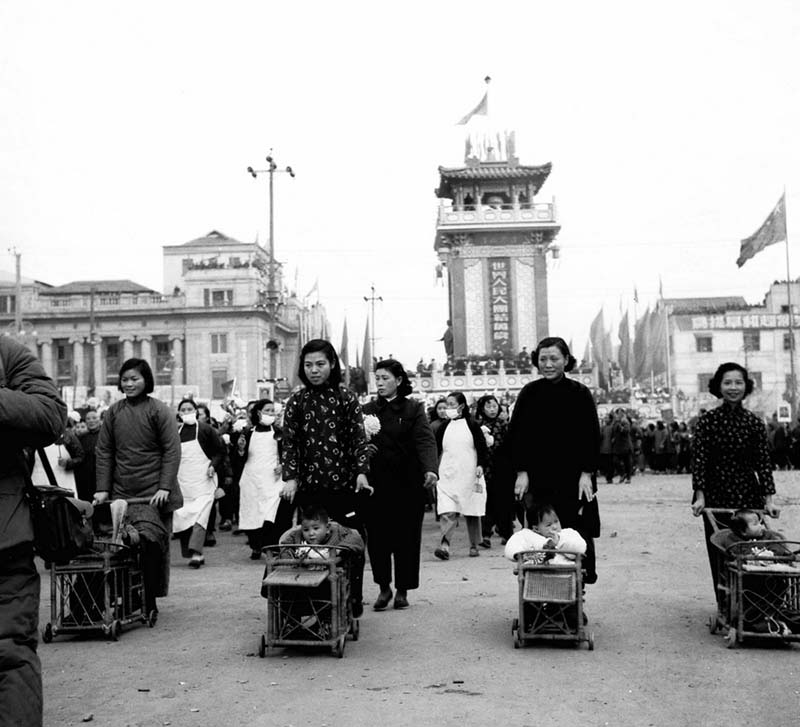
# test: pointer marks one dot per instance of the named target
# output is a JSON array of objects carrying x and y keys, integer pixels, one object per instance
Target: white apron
[
  {"x": 196, "y": 486},
  {"x": 259, "y": 487},
  {"x": 455, "y": 491}
]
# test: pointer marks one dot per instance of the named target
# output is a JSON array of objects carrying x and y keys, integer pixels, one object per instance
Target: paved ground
[{"x": 449, "y": 659}]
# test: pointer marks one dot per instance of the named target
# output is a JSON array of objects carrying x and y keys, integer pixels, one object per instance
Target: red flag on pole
[{"x": 773, "y": 230}]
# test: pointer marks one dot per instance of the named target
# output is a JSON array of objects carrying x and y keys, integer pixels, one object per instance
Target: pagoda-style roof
[
  {"x": 451, "y": 177},
  {"x": 85, "y": 287},
  {"x": 717, "y": 304}
]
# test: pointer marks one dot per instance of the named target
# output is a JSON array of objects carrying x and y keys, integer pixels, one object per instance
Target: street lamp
[{"x": 272, "y": 296}]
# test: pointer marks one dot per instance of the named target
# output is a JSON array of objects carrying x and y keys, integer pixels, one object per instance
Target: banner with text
[{"x": 500, "y": 302}]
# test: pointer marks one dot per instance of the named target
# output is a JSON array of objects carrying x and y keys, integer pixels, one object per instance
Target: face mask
[
  {"x": 451, "y": 413},
  {"x": 267, "y": 420},
  {"x": 189, "y": 418}
]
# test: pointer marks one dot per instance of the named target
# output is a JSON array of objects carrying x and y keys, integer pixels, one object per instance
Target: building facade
[
  {"x": 209, "y": 328},
  {"x": 705, "y": 332},
  {"x": 493, "y": 236}
]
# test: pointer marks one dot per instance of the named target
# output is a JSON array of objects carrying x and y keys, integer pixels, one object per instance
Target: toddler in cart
[
  {"x": 317, "y": 530},
  {"x": 546, "y": 534},
  {"x": 764, "y": 604}
]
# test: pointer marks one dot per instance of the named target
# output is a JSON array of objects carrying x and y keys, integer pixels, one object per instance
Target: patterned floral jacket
[{"x": 324, "y": 445}]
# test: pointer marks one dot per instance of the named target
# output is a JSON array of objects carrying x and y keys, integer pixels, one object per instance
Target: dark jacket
[
  {"x": 406, "y": 448},
  {"x": 477, "y": 438},
  {"x": 31, "y": 415},
  {"x": 139, "y": 451}
]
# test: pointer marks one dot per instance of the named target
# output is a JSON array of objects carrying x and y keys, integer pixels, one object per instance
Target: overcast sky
[{"x": 672, "y": 132}]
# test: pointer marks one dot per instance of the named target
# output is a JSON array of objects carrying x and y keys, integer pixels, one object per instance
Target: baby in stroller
[
  {"x": 547, "y": 533},
  {"x": 766, "y": 561}
]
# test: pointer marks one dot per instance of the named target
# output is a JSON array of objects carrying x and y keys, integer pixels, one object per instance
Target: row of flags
[
  {"x": 364, "y": 361},
  {"x": 646, "y": 353},
  {"x": 638, "y": 357}
]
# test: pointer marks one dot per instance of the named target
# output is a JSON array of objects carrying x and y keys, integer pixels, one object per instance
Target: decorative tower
[{"x": 493, "y": 236}]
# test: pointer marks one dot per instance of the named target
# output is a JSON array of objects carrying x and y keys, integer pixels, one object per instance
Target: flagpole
[{"x": 793, "y": 389}]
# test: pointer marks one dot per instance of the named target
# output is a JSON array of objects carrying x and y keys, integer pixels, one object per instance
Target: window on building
[
  {"x": 784, "y": 309},
  {"x": 702, "y": 382},
  {"x": 63, "y": 350},
  {"x": 787, "y": 341},
  {"x": 8, "y": 303},
  {"x": 703, "y": 344},
  {"x": 219, "y": 343},
  {"x": 113, "y": 362},
  {"x": 752, "y": 340},
  {"x": 218, "y": 378},
  {"x": 163, "y": 369},
  {"x": 217, "y": 298}
]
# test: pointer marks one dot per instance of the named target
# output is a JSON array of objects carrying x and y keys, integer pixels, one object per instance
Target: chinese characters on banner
[{"x": 500, "y": 302}]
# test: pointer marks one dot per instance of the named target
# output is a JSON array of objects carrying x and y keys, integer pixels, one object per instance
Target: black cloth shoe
[
  {"x": 382, "y": 601},
  {"x": 400, "y": 602},
  {"x": 357, "y": 609}
]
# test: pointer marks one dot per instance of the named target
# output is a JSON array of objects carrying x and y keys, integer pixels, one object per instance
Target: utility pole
[
  {"x": 18, "y": 291},
  {"x": 272, "y": 294},
  {"x": 371, "y": 300}
]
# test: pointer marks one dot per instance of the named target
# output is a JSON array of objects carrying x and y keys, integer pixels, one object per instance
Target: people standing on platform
[
  {"x": 325, "y": 458},
  {"x": 202, "y": 453},
  {"x": 554, "y": 437},
  {"x": 731, "y": 466},
  {"x": 403, "y": 468},
  {"x": 264, "y": 514},
  {"x": 31, "y": 415},
  {"x": 498, "y": 475},
  {"x": 138, "y": 456},
  {"x": 461, "y": 489}
]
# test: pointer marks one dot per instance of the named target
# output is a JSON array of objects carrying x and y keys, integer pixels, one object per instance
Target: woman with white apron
[
  {"x": 264, "y": 515},
  {"x": 461, "y": 489},
  {"x": 201, "y": 454}
]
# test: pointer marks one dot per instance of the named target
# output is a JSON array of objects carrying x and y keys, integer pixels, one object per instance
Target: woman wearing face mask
[
  {"x": 263, "y": 514},
  {"x": 554, "y": 439},
  {"x": 403, "y": 469},
  {"x": 461, "y": 489},
  {"x": 731, "y": 465},
  {"x": 201, "y": 455}
]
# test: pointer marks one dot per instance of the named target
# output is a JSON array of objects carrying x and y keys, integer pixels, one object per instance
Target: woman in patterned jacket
[
  {"x": 731, "y": 466},
  {"x": 325, "y": 459}
]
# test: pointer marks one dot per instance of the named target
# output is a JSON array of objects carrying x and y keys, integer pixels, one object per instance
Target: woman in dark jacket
[
  {"x": 403, "y": 465},
  {"x": 138, "y": 455},
  {"x": 499, "y": 481},
  {"x": 731, "y": 465},
  {"x": 555, "y": 441}
]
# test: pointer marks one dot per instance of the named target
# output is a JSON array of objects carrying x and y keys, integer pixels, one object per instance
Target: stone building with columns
[
  {"x": 493, "y": 236},
  {"x": 210, "y": 326}
]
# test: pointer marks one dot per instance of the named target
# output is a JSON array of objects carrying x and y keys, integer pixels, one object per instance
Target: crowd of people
[{"x": 323, "y": 469}]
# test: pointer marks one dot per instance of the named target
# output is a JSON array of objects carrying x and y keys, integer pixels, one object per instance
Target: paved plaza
[{"x": 449, "y": 659}]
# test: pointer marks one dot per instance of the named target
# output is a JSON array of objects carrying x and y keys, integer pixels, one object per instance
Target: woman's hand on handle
[
  {"x": 289, "y": 490},
  {"x": 771, "y": 508},
  {"x": 362, "y": 483},
  {"x": 100, "y": 498},
  {"x": 160, "y": 498},
  {"x": 585, "y": 489},
  {"x": 521, "y": 485},
  {"x": 699, "y": 503}
]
